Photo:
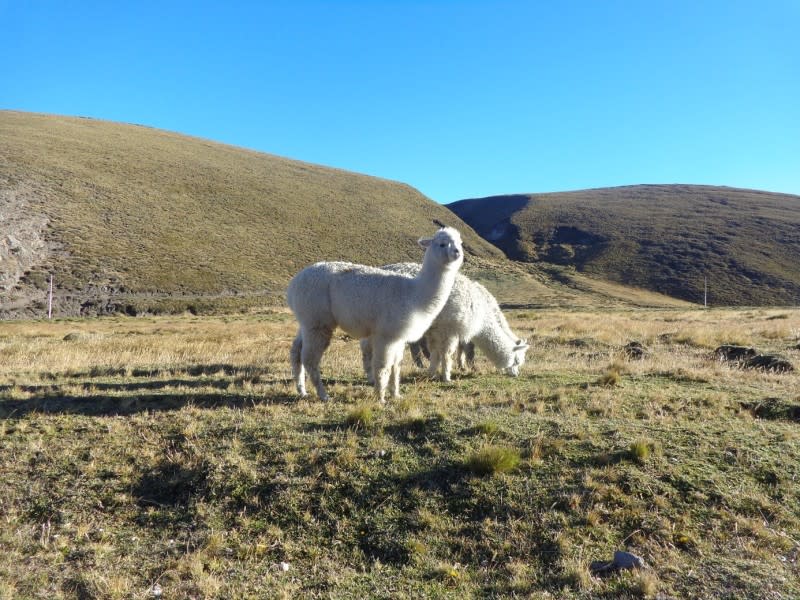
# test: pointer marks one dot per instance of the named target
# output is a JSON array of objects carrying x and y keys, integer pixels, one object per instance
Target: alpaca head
[
  {"x": 517, "y": 358},
  {"x": 444, "y": 247}
]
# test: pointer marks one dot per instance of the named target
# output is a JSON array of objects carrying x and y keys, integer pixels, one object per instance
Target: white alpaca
[
  {"x": 387, "y": 308},
  {"x": 471, "y": 314}
]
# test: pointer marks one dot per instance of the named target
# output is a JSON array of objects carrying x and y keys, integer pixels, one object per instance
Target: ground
[{"x": 174, "y": 452}]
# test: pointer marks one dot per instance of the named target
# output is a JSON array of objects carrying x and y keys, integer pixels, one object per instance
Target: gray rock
[
  {"x": 622, "y": 561},
  {"x": 626, "y": 560}
]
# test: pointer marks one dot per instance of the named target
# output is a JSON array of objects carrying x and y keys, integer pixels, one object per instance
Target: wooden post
[{"x": 50, "y": 299}]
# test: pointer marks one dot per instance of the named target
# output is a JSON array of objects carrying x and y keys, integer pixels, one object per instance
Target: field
[{"x": 171, "y": 453}]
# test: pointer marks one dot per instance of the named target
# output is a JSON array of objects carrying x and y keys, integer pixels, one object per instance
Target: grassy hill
[
  {"x": 128, "y": 217},
  {"x": 664, "y": 238}
]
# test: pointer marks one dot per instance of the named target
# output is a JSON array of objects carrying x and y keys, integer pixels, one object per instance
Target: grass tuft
[
  {"x": 491, "y": 460},
  {"x": 645, "y": 584},
  {"x": 361, "y": 417},
  {"x": 639, "y": 450},
  {"x": 451, "y": 575},
  {"x": 488, "y": 428},
  {"x": 612, "y": 377}
]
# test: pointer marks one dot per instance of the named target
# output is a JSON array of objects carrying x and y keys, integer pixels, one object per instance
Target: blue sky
[{"x": 459, "y": 99}]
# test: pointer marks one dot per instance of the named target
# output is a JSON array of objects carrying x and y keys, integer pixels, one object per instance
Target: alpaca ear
[{"x": 425, "y": 242}]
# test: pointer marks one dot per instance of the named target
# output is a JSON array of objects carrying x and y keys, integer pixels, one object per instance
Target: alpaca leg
[
  {"x": 450, "y": 346},
  {"x": 466, "y": 355},
  {"x": 366, "y": 360},
  {"x": 298, "y": 372},
  {"x": 469, "y": 355},
  {"x": 315, "y": 342},
  {"x": 435, "y": 358},
  {"x": 396, "y": 370},
  {"x": 423, "y": 344},
  {"x": 383, "y": 358},
  {"x": 416, "y": 354},
  {"x": 437, "y": 347}
]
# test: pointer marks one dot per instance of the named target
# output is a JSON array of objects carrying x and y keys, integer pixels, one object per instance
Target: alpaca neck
[
  {"x": 433, "y": 285},
  {"x": 495, "y": 343}
]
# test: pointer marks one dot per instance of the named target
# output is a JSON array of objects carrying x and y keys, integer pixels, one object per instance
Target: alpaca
[
  {"x": 387, "y": 308},
  {"x": 471, "y": 315}
]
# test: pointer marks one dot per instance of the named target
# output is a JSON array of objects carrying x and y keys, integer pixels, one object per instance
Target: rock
[
  {"x": 626, "y": 560},
  {"x": 635, "y": 351},
  {"x": 622, "y": 561},
  {"x": 733, "y": 353},
  {"x": 769, "y": 362}
]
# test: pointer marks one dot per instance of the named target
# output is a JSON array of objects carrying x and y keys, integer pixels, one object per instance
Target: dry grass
[{"x": 174, "y": 451}]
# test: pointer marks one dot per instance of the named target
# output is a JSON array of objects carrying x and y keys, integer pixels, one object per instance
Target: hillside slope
[
  {"x": 665, "y": 238},
  {"x": 133, "y": 215}
]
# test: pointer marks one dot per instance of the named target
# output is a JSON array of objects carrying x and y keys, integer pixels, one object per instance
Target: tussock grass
[
  {"x": 488, "y": 428},
  {"x": 642, "y": 449},
  {"x": 490, "y": 460},
  {"x": 612, "y": 377},
  {"x": 174, "y": 450},
  {"x": 361, "y": 417}
]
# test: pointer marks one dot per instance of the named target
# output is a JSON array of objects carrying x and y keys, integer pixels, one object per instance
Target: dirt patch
[
  {"x": 22, "y": 235},
  {"x": 24, "y": 247}
]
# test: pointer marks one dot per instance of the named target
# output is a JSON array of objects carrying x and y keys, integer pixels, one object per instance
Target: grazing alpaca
[
  {"x": 471, "y": 315},
  {"x": 387, "y": 308}
]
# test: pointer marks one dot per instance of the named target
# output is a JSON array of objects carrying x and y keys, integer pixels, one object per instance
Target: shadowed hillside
[
  {"x": 665, "y": 238},
  {"x": 132, "y": 218}
]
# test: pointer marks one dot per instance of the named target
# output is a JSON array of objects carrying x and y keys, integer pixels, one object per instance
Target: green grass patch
[
  {"x": 491, "y": 460},
  {"x": 361, "y": 417},
  {"x": 488, "y": 428}
]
